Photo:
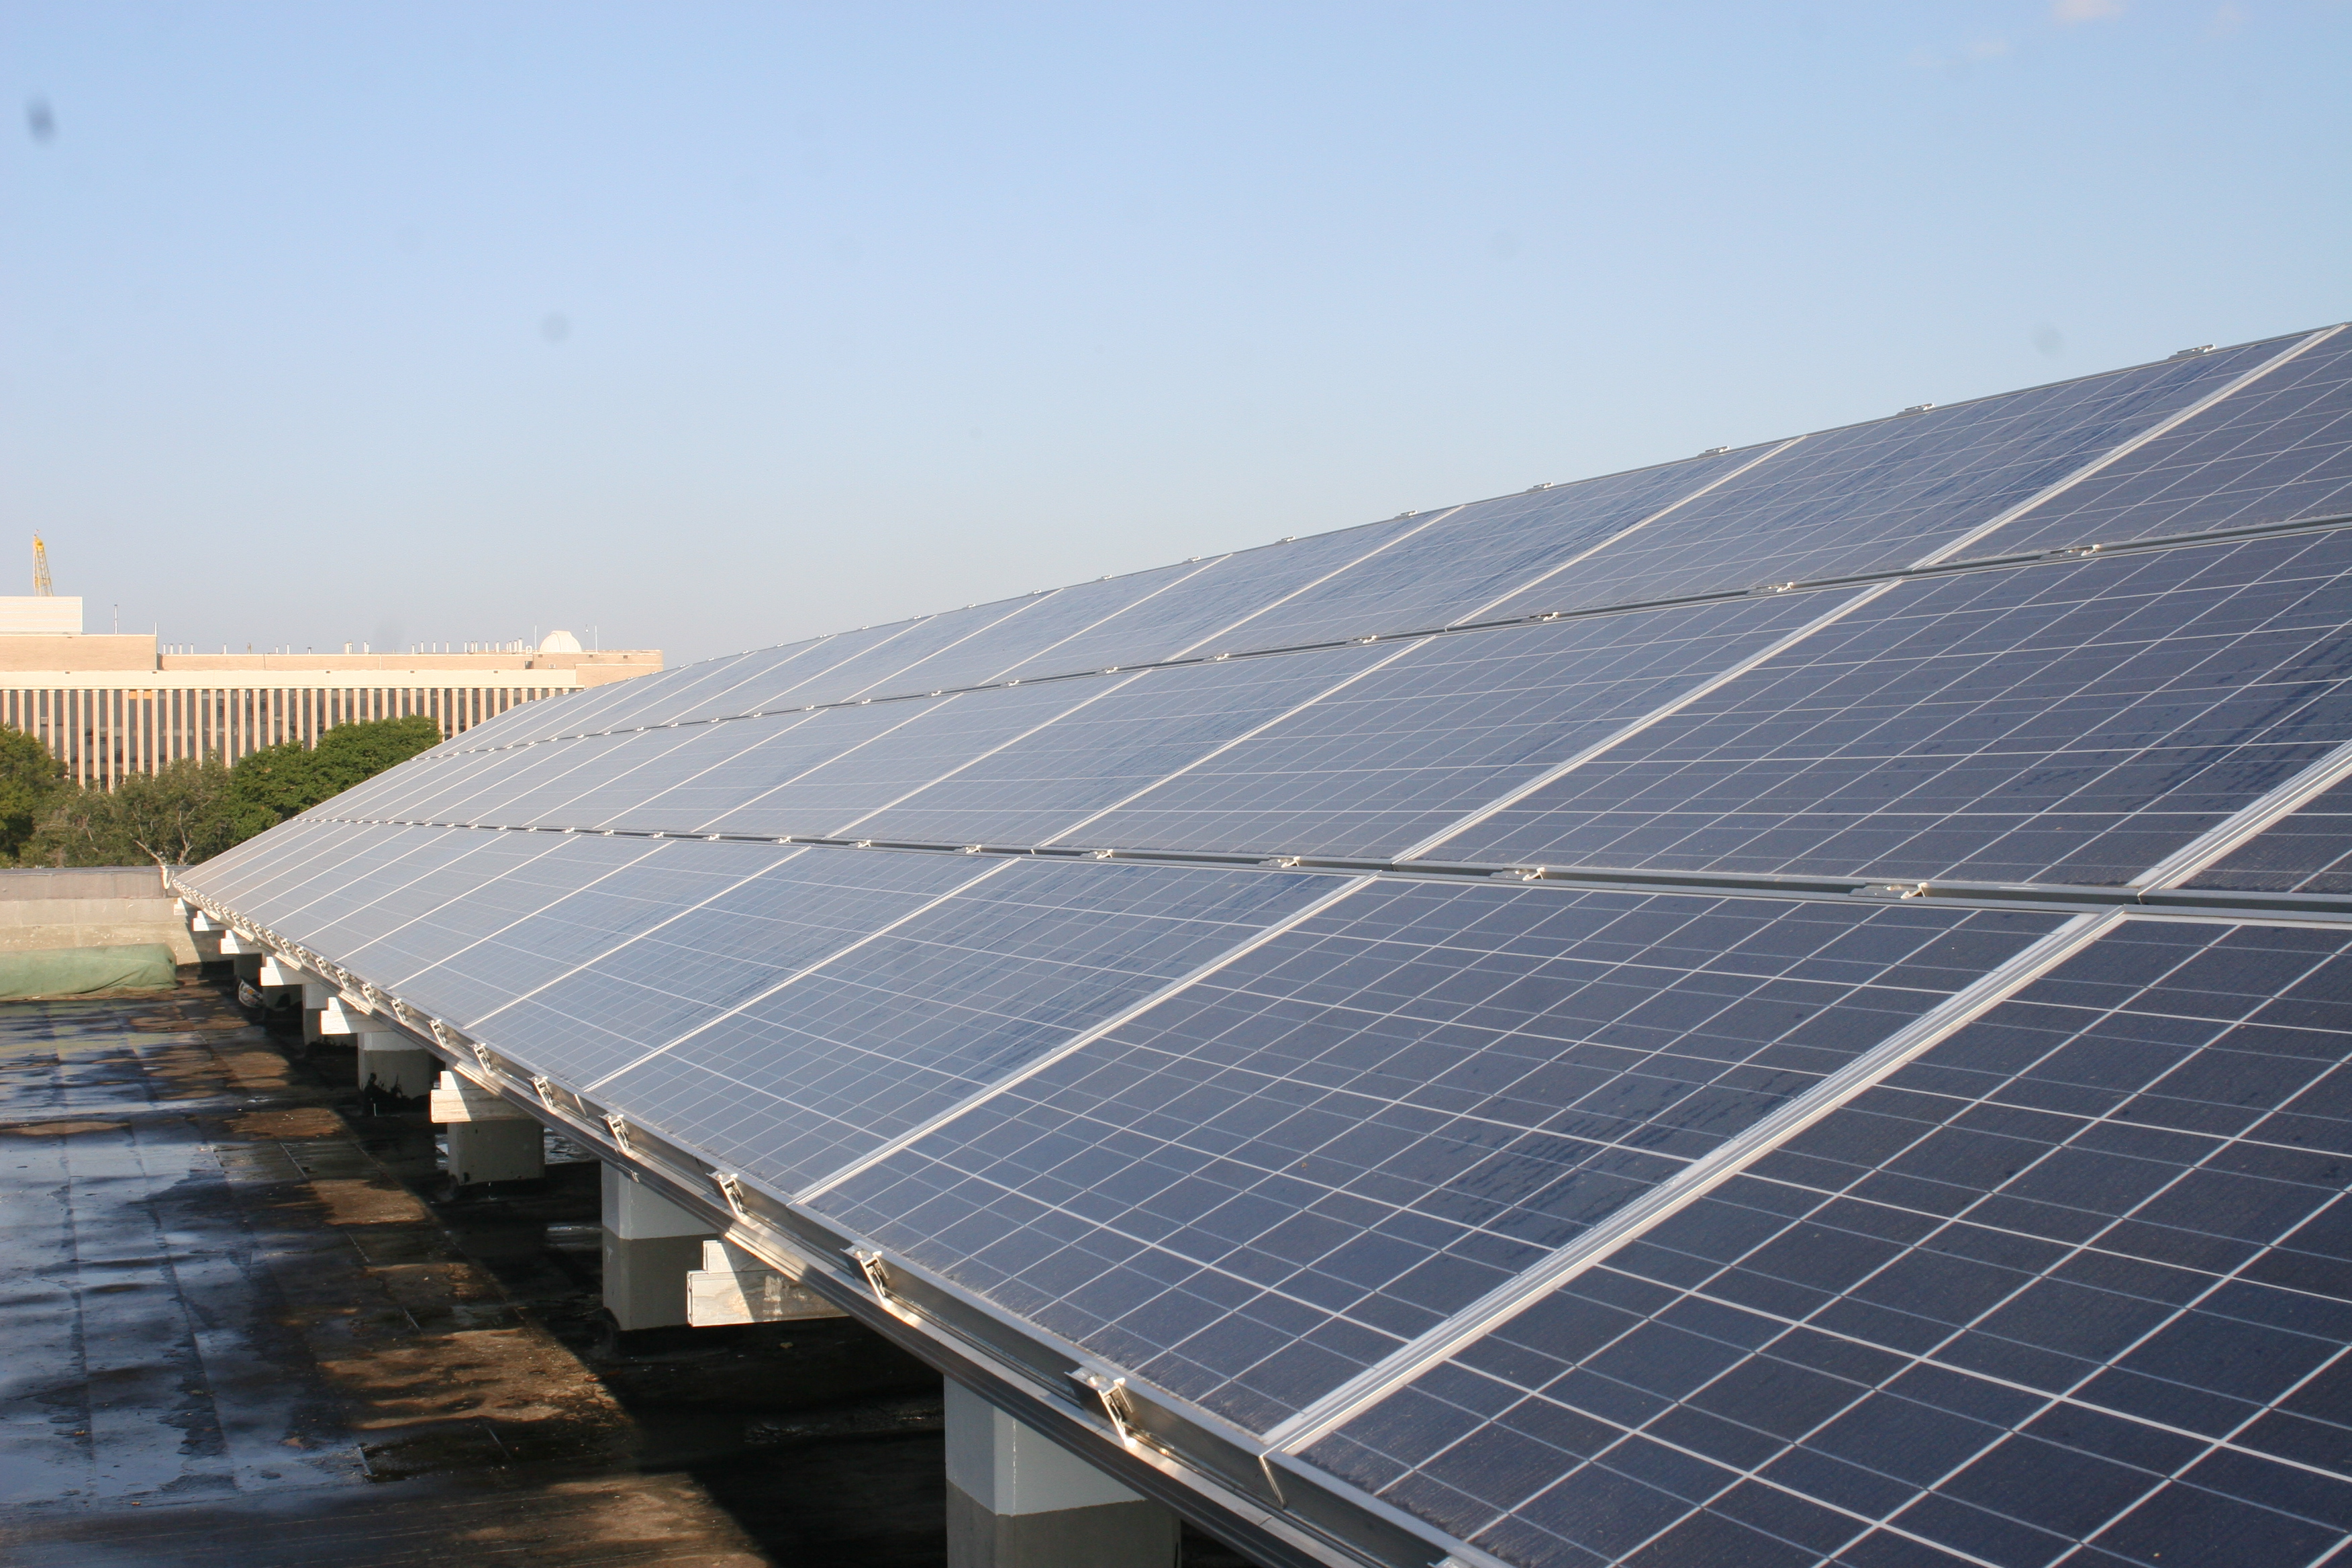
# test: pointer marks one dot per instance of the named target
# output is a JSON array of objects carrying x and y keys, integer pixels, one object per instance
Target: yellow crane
[{"x": 41, "y": 569}]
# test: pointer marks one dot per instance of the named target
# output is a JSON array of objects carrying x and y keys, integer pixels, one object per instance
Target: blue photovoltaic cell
[
  {"x": 1188, "y": 617},
  {"x": 503, "y": 879},
  {"x": 605, "y": 891},
  {"x": 1051, "y": 621},
  {"x": 2278, "y": 449},
  {"x": 784, "y": 687},
  {"x": 867, "y": 673},
  {"x": 539, "y": 783},
  {"x": 394, "y": 795},
  {"x": 717, "y": 952},
  {"x": 413, "y": 872},
  {"x": 478, "y": 787},
  {"x": 609, "y": 776},
  {"x": 593, "y": 710},
  {"x": 710, "y": 763},
  {"x": 308, "y": 892},
  {"x": 1442, "y": 730},
  {"x": 1475, "y": 556},
  {"x": 938, "y": 738},
  {"x": 2069, "y": 723},
  {"x": 1121, "y": 742},
  {"x": 735, "y": 687},
  {"x": 2307, "y": 852},
  {"x": 1287, "y": 1170},
  {"x": 236, "y": 874},
  {"x": 754, "y": 682},
  {"x": 825, "y": 1068},
  {"x": 1878, "y": 497},
  {"x": 2076, "y": 1284},
  {"x": 743, "y": 762}
]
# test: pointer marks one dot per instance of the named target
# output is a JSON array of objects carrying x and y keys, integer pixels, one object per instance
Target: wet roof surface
[{"x": 236, "y": 1335}]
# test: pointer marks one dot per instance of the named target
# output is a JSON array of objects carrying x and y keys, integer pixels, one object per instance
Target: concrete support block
[
  {"x": 489, "y": 1138},
  {"x": 651, "y": 1244},
  {"x": 315, "y": 995},
  {"x": 1016, "y": 1499},
  {"x": 457, "y": 1097},
  {"x": 496, "y": 1151},
  {"x": 341, "y": 1016},
  {"x": 734, "y": 1287},
  {"x": 232, "y": 946},
  {"x": 395, "y": 1065},
  {"x": 276, "y": 971}
]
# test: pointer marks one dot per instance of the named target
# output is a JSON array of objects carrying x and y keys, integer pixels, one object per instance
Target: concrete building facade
[{"x": 107, "y": 705}]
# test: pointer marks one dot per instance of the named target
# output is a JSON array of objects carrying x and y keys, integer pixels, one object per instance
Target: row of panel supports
[{"x": 1015, "y": 1498}]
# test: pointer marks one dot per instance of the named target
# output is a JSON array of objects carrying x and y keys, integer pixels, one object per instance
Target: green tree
[
  {"x": 176, "y": 815},
  {"x": 278, "y": 781},
  {"x": 31, "y": 780},
  {"x": 189, "y": 811}
]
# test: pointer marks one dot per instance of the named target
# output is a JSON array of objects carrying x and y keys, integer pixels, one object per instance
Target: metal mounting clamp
[{"x": 1111, "y": 1391}]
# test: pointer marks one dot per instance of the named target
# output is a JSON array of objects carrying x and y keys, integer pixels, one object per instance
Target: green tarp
[{"x": 78, "y": 970}]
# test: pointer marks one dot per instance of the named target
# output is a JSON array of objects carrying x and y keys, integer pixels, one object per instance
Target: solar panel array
[{"x": 1788, "y": 1007}]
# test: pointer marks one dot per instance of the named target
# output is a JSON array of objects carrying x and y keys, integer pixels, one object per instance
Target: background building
[{"x": 109, "y": 705}]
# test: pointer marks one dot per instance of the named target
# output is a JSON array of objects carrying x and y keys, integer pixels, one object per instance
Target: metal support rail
[{"x": 2325, "y": 908}]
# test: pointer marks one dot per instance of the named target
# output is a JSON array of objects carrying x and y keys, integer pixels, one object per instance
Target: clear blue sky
[{"x": 712, "y": 326}]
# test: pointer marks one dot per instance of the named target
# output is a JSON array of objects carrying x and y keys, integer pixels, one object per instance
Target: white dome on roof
[{"x": 559, "y": 642}]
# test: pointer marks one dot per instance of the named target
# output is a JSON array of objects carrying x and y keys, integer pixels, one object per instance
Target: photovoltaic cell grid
[
  {"x": 2070, "y": 1286},
  {"x": 1472, "y": 558},
  {"x": 838, "y": 1058},
  {"x": 2070, "y": 723},
  {"x": 1878, "y": 497},
  {"x": 2034, "y": 1295},
  {"x": 2308, "y": 852},
  {"x": 1261, "y": 1186},
  {"x": 2278, "y": 450},
  {"x": 738, "y": 941},
  {"x": 1439, "y": 730}
]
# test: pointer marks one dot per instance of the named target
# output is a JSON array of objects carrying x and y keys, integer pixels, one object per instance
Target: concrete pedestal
[
  {"x": 490, "y": 1140},
  {"x": 734, "y": 1287},
  {"x": 392, "y": 1065},
  {"x": 651, "y": 1244},
  {"x": 1016, "y": 1499},
  {"x": 315, "y": 995},
  {"x": 496, "y": 1151}
]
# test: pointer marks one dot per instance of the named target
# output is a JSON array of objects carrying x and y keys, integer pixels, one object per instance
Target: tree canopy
[
  {"x": 31, "y": 781},
  {"x": 189, "y": 810},
  {"x": 282, "y": 781}
]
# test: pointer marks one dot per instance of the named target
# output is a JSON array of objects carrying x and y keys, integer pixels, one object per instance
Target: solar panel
[
  {"x": 715, "y": 953},
  {"x": 2280, "y": 449},
  {"x": 1468, "y": 559},
  {"x": 1258, "y": 1188},
  {"x": 921, "y": 1016},
  {"x": 2072, "y": 722},
  {"x": 1784, "y": 1007},
  {"x": 1885, "y": 495},
  {"x": 1130, "y": 735},
  {"x": 2307, "y": 852},
  {"x": 2072, "y": 1278},
  {"x": 1439, "y": 729}
]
